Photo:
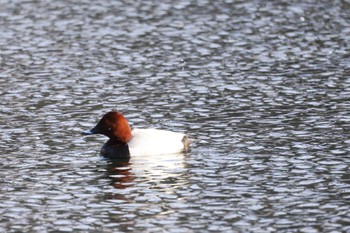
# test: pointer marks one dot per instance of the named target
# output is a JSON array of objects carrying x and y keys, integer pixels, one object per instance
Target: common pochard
[{"x": 124, "y": 142}]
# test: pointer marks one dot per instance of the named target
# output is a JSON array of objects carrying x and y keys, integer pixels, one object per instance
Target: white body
[{"x": 155, "y": 141}]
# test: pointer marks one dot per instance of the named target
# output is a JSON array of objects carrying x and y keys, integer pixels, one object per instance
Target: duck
[{"x": 125, "y": 142}]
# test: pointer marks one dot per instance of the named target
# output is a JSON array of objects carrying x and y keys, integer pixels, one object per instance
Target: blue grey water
[{"x": 262, "y": 87}]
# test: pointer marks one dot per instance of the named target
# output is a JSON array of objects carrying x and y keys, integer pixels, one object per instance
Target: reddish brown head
[{"x": 115, "y": 126}]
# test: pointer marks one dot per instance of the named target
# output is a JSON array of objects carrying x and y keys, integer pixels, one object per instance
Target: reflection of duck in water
[
  {"x": 119, "y": 172},
  {"x": 158, "y": 167},
  {"x": 123, "y": 142},
  {"x": 150, "y": 169}
]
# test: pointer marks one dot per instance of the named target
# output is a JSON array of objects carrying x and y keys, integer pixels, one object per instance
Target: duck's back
[{"x": 155, "y": 141}]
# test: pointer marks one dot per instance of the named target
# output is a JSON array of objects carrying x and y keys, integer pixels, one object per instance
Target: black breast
[{"x": 115, "y": 151}]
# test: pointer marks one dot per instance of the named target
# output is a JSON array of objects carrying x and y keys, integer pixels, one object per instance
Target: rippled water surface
[{"x": 262, "y": 87}]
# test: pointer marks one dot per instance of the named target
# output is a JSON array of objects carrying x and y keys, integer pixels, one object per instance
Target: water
[{"x": 262, "y": 87}]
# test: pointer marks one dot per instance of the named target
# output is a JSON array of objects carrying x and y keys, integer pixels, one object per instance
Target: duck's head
[{"x": 114, "y": 125}]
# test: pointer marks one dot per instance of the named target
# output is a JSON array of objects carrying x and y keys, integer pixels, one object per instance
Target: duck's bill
[
  {"x": 94, "y": 130},
  {"x": 87, "y": 132}
]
